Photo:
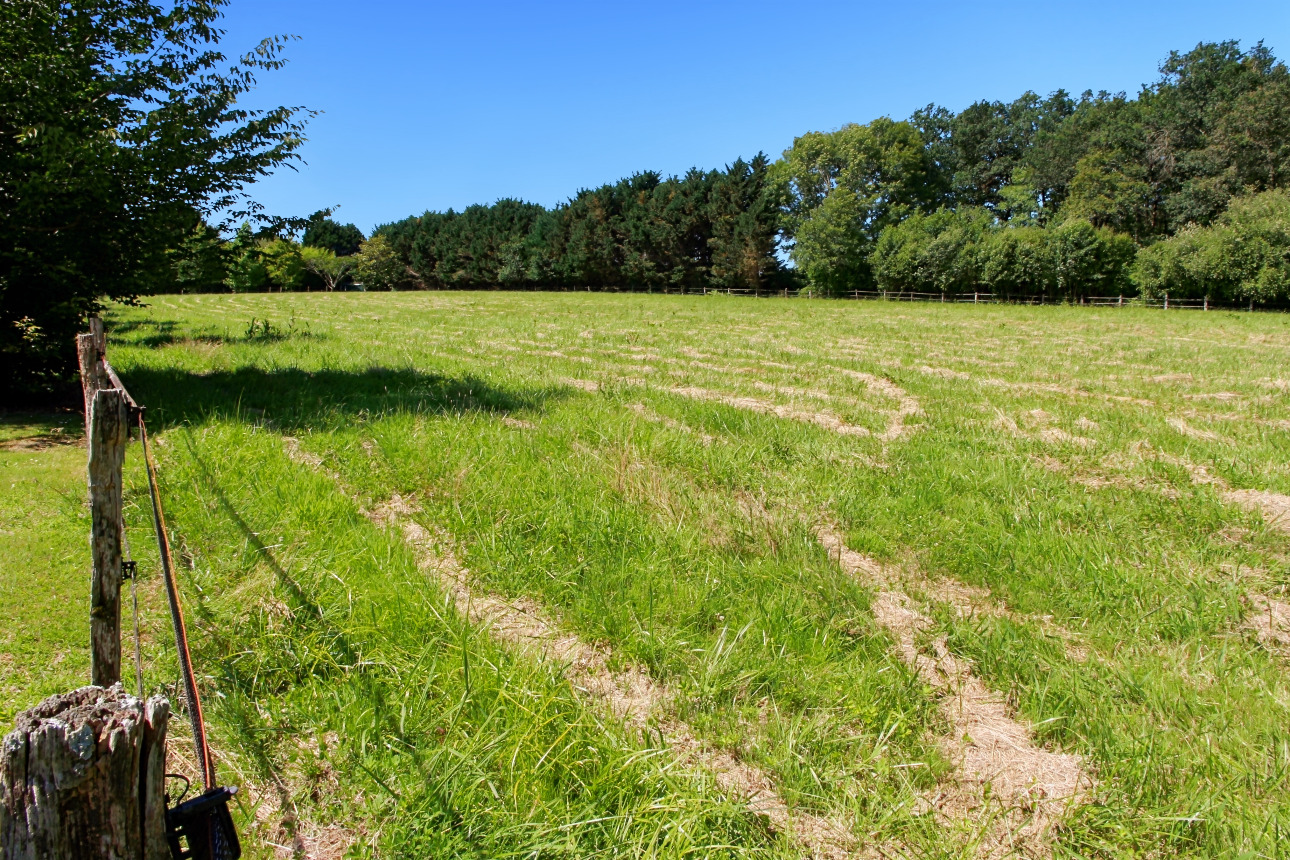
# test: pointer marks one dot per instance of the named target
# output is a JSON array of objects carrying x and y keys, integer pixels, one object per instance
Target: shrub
[
  {"x": 935, "y": 253},
  {"x": 1244, "y": 256}
]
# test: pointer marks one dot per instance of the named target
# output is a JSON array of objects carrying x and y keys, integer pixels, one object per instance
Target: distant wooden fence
[{"x": 983, "y": 298}]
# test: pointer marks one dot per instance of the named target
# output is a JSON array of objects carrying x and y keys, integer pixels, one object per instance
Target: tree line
[
  {"x": 715, "y": 228},
  {"x": 1178, "y": 190},
  {"x": 1059, "y": 196}
]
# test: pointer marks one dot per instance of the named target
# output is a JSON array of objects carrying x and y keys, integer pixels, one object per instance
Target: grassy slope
[
  {"x": 335, "y": 660},
  {"x": 44, "y": 646}
]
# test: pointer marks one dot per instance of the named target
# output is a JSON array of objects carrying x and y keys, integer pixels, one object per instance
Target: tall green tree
[
  {"x": 322, "y": 232},
  {"x": 119, "y": 129},
  {"x": 844, "y": 188}
]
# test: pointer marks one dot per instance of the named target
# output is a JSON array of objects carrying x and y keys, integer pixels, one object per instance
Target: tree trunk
[{"x": 82, "y": 776}]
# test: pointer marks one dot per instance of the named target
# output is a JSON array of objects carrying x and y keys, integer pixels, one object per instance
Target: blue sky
[{"x": 431, "y": 105}]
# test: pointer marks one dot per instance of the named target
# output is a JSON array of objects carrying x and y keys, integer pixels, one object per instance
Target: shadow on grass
[
  {"x": 155, "y": 333},
  {"x": 38, "y": 430},
  {"x": 292, "y": 399}
]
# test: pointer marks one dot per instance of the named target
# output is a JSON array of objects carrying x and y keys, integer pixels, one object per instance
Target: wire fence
[{"x": 982, "y": 298}]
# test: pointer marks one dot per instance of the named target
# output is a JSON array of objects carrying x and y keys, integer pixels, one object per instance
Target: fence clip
[{"x": 129, "y": 570}]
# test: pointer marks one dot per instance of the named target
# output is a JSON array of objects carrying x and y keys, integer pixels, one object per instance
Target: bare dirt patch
[{"x": 999, "y": 768}]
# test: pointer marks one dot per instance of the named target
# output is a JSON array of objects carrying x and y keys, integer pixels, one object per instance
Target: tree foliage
[
  {"x": 119, "y": 127},
  {"x": 1048, "y": 196},
  {"x": 329, "y": 268},
  {"x": 845, "y": 188},
  {"x": 707, "y": 228},
  {"x": 377, "y": 266},
  {"x": 322, "y": 232},
  {"x": 1243, "y": 256}
]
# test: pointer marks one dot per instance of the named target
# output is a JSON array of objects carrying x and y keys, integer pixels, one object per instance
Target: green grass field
[{"x": 558, "y": 575}]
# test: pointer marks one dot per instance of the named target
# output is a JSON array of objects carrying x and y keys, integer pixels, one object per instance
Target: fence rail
[{"x": 982, "y": 298}]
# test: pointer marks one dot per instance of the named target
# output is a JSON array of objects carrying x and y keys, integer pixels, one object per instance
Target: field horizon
[{"x": 618, "y": 574}]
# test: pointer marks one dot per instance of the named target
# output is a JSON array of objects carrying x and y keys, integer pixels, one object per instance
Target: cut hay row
[
  {"x": 630, "y": 694},
  {"x": 1002, "y": 776}
]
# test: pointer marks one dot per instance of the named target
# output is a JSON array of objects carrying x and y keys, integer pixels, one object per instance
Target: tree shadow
[
  {"x": 166, "y": 332},
  {"x": 22, "y": 430},
  {"x": 291, "y": 399}
]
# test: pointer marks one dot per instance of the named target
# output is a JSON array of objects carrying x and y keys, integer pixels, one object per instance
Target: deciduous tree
[{"x": 119, "y": 128}]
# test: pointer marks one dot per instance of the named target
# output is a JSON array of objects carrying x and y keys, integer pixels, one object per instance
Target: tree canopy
[
  {"x": 1098, "y": 177},
  {"x": 322, "y": 232},
  {"x": 715, "y": 228},
  {"x": 120, "y": 131}
]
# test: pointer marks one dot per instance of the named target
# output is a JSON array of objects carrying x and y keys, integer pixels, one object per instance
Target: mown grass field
[{"x": 1058, "y": 522}]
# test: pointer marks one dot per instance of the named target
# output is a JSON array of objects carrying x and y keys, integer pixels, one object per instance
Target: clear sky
[{"x": 431, "y": 105}]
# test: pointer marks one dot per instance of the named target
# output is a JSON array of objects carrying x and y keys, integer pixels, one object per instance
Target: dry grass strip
[
  {"x": 630, "y": 694},
  {"x": 1039, "y": 423},
  {"x": 1066, "y": 391},
  {"x": 671, "y": 423},
  {"x": 1274, "y": 507},
  {"x": 1270, "y": 619},
  {"x": 1194, "y": 432},
  {"x": 993, "y": 752},
  {"x": 587, "y": 385},
  {"x": 826, "y": 420},
  {"x": 907, "y": 406}
]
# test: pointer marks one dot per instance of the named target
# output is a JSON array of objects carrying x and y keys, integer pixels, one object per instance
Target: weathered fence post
[
  {"x": 83, "y": 776},
  {"x": 89, "y": 354},
  {"x": 1166, "y": 301},
  {"x": 109, "y": 424}
]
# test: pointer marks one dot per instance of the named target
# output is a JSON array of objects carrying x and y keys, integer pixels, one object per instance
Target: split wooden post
[
  {"x": 109, "y": 426},
  {"x": 89, "y": 354},
  {"x": 83, "y": 775}
]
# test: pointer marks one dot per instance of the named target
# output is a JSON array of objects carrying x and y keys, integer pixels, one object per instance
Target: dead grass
[
  {"x": 1001, "y": 775},
  {"x": 629, "y": 693}
]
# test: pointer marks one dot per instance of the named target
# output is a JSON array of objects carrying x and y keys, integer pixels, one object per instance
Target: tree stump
[{"x": 82, "y": 776}]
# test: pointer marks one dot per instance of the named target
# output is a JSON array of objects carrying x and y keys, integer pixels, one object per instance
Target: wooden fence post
[
  {"x": 89, "y": 355},
  {"x": 83, "y": 775},
  {"x": 109, "y": 425}
]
